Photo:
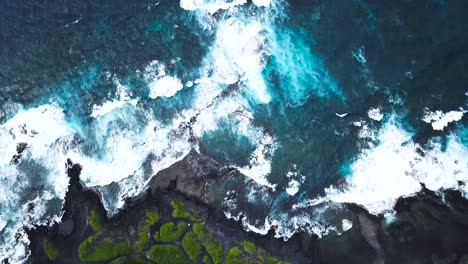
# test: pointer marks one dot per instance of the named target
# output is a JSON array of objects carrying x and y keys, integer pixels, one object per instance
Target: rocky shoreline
[{"x": 428, "y": 227}]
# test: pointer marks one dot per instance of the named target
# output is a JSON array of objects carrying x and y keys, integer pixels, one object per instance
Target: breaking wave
[{"x": 261, "y": 99}]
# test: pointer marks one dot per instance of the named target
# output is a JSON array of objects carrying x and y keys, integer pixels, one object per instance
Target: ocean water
[{"x": 317, "y": 103}]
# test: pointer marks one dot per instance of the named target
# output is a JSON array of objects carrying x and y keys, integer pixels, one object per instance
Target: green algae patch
[
  {"x": 272, "y": 260},
  {"x": 50, "y": 250},
  {"x": 248, "y": 247},
  {"x": 181, "y": 212},
  {"x": 170, "y": 233},
  {"x": 95, "y": 221},
  {"x": 93, "y": 249},
  {"x": 234, "y": 256},
  {"x": 96, "y": 248},
  {"x": 151, "y": 218},
  {"x": 211, "y": 244},
  {"x": 166, "y": 254},
  {"x": 206, "y": 260},
  {"x": 261, "y": 253},
  {"x": 127, "y": 260},
  {"x": 266, "y": 257},
  {"x": 191, "y": 247},
  {"x": 215, "y": 249},
  {"x": 198, "y": 229}
]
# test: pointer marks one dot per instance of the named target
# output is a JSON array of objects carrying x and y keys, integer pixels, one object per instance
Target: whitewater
[{"x": 256, "y": 75}]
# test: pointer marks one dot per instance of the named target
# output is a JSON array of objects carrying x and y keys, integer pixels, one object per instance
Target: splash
[
  {"x": 32, "y": 173},
  {"x": 160, "y": 84},
  {"x": 396, "y": 167},
  {"x": 439, "y": 119},
  {"x": 108, "y": 106}
]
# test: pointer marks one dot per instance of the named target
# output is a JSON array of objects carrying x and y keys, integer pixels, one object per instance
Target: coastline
[{"x": 420, "y": 224}]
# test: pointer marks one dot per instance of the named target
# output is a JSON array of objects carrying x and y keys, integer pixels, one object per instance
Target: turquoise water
[{"x": 261, "y": 89}]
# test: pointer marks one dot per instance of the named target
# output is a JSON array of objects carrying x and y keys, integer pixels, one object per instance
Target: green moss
[
  {"x": 96, "y": 249},
  {"x": 166, "y": 254},
  {"x": 93, "y": 249},
  {"x": 234, "y": 256},
  {"x": 127, "y": 260},
  {"x": 152, "y": 217},
  {"x": 212, "y": 246},
  {"x": 144, "y": 230},
  {"x": 206, "y": 260},
  {"x": 248, "y": 247},
  {"x": 272, "y": 260},
  {"x": 50, "y": 250},
  {"x": 95, "y": 221},
  {"x": 169, "y": 233},
  {"x": 198, "y": 229},
  {"x": 261, "y": 253},
  {"x": 180, "y": 211},
  {"x": 215, "y": 249},
  {"x": 191, "y": 246}
]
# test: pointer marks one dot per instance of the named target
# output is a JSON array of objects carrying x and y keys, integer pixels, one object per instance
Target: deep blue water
[{"x": 318, "y": 59}]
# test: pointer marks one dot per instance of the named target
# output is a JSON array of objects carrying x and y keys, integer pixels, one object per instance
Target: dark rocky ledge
[{"x": 429, "y": 228}]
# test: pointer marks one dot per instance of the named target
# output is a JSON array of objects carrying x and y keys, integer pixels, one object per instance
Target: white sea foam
[
  {"x": 293, "y": 187},
  {"x": 394, "y": 169},
  {"x": 257, "y": 228},
  {"x": 166, "y": 150},
  {"x": 285, "y": 224},
  {"x": 133, "y": 144},
  {"x": 50, "y": 143},
  {"x": 260, "y": 163},
  {"x": 262, "y": 2},
  {"x": 391, "y": 168},
  {"x": 166, "y": 86},
  {"x": 257, "y": 193},
  {"x": 160, "y": 84},
  {"x": 46, "y": 133},
  {"x": 109, "y": 106},
  {"x": 41, "y": 128},
  {"x": 374, "y": 113},
  {"x": 230, "y": 203},
  {"x": 210, "y": 6},
  {"x": 225, "y": 64},
  {"x": 3, "y": 223},
  {"x": 237, "y": 58},
  {"x": 365, "y": 131},
  {"x": 232, "y": 110},
  {"x": 237, "y": 55},
  {"x": 439, "y": 119},
  {"x": 295, "y": 182}
]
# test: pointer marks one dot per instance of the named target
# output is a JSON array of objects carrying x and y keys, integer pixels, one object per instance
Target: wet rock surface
[{"x": 427, "y": 228}]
